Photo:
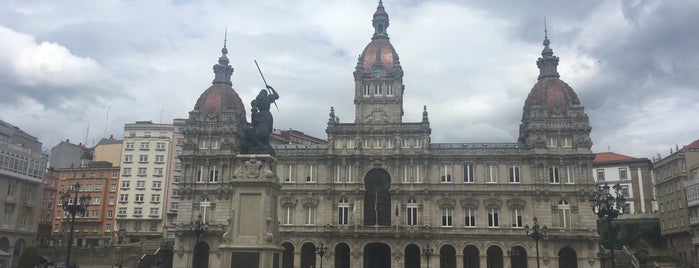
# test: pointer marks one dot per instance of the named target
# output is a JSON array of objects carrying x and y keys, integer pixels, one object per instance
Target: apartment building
[
  {"x": 22, "y": 167},
  {"x": 94, "y": 228},
  {"x": 145, "y": 159},
  {"x": 172, "y": 200},
  {"x": 633, "y": 174}
]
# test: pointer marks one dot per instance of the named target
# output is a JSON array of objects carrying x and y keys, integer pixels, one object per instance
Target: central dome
[
  {"x": 379, "y": 52},
  {"x": 220, "y": 97}
]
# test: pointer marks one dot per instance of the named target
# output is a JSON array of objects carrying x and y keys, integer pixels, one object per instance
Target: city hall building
[{"x": 379, "y": 193}]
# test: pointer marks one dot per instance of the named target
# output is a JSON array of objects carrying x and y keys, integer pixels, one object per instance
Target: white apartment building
[
  {"x": 145, "y": 160},
  {"x": 174, "y": 178}
]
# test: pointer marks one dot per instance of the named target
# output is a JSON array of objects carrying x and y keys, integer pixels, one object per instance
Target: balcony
[
  {"x": 10, "y": 200},
  {"x": 693, "y": 220},
  {"x": 695, "y": 241}
]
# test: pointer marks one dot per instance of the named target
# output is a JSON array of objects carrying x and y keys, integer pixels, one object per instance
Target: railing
[{"x": 631, "y": 257}]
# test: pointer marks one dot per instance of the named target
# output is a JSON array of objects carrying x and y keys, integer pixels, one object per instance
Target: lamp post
[
  {"x": 536, "y": 233},
  {"x": 74, "y": 205},
  {"x": 607, "y": 207},
  {"x": 321, "y": 251},
  {"x": 122, "y": 236},
  {"x": 199, "y": 227},
  {"x": 427, "y": 251}
]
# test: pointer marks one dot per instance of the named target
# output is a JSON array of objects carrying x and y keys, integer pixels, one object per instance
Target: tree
[{"x": 29, "y": 258}]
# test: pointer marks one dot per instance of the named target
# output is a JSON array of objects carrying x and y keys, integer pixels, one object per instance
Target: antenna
[
  {"x": 87, "y": 133},
  {"x": 225, "y": 37},
  {"x": 106, "y": 121},
  {"x": 546, "y": 32}
]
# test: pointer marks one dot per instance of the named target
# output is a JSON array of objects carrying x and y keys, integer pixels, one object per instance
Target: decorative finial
[
  {"x": 546, "y": 33},
  {"x": 224, "y": 50}
]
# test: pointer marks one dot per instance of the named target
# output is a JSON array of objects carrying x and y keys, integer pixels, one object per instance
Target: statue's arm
[{"x": 274, "y": 95}]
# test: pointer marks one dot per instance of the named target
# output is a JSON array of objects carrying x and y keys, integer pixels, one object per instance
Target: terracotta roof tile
[{"x": 609, "y": 156}]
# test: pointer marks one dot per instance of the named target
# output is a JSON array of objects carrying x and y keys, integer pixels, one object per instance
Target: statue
[{"x": 257, "y": 136}]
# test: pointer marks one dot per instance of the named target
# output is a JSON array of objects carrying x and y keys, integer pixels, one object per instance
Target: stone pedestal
[{"x": 252, "y": 239}]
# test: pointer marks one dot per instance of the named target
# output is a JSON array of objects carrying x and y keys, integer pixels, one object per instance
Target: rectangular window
[
  {"x": 446, "y": 217},
  {"x": 143, "y": 158},
  {"x": 200, "y": 174},
  {"x": 159, "y": 158},
  {"x": 389, "y": 89},
  {"x": 177, "y": 179},
  {"x": 174, "y": 206},
  {"x": 567, "y": 142},
  {"x": 157, "y": 185},
  {"x": 96, "y": 200},
  {"x": 107, "y": 228},
  {"x": 568, "y": 175},
  {"x": 154, "y": 211},
  {"x": 213, "y": 173},
  {"x": 128, "y": 158},
  {"x": 180, "y": 141},
  {"x": 554, "y": 176},
  {"x": 311, "y": 173},
  {"x": 514, "y": 174},
  {"x": 127, "y": 171},
  {"x": 129, "y": 146},
  {"x": 625, "y": 192},
  {"x": 491, "y": 173},
  {"x": 366, "y": 91},
  {"x": 469, "y": 217},
  {"x": 290, "y": 173},
  {"x": 310, "y": 216},
  {"x": 412, "y": 215},
  {"x": 142, "y": 171},
  {"x": 468, "y": 173},
  {"x": 214, "y": 144},
  {"x": 552, "y": 142},
  {"x": 140, "y": 184},
  {"x": 145, "y": 145},
  {"x": 110, "y": 214},
  {"x": 98, "y": 187},
  {"x": 158, "y": 172},
  {"x": 111, "y": 201},
  {"x": 203, "y": 144},
  {"x": 160, "y": 146},
  {"x": 493, "y": 217},
  {"x": 343, "y": 215},
  {"x": 600, "y": 174},
  {"x": 155, "y": 198},
  {"x": 564, "y": 217},
  {"x": 115, "y": 175},
  {"x": 288, "y": 215},
  {"x": 137, "y": 211},
  {"x": 121, "y": 211},
  {"x": 123, "y": 197},
  {"x": 516, "y": 218},
  {"x": 445, "y": 173},
  {"x": 139, "y": 198},
  {"x": 95, "y": 214},
  {"x": 125, "y": 184},
  {"x": 178, "y": 166},
  {"x": 623, "y": 174}
]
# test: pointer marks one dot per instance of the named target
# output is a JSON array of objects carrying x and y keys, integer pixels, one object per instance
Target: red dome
[
  {"x": 217, "y": 99},
  {"x": 553, "y": 94},
  {"x": 379, "y": 51}
]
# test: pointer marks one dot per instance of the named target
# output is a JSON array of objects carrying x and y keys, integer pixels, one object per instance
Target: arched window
[
  {"x": 564, "y": 213},
  {"x": 343, "y": 212},
  {"x": 412, "y": 212}
]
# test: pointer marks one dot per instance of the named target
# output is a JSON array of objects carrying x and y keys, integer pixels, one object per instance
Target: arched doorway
[
  {"x": 5, "y": 244},
  {"x": 518, "y": 257},
  {"x": 494, "y": 259},
  {"x": 342, "y": 256},
  {"x": 377, "y": 255},
  {"x": 447, "y": 257},
  {"x": 377, "y": 198},
  {"x": 201, "y": 255},
  {"x": 288, "y": 255},
  {"x": 412, "y": 256},
  {"x": 472, "y": 257},
  {"x": 308, "y": 255},
  {"x": 567, "y": 258}
]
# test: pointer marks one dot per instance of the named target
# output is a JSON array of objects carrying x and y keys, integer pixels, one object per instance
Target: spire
[
  {"x": 548, "y": 63},
  {"x": 380, "y": 22},
  {"x": 424, "y": 114},
  {"x": 222, "y": 70}
]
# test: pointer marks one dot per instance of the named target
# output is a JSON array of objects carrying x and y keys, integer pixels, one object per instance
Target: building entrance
[
  {"x": 377, "y": 255},
  {"x": 377, "y": 198}
]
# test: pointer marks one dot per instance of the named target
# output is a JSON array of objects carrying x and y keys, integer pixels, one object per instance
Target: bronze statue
[{"x": 257, "y": 136}]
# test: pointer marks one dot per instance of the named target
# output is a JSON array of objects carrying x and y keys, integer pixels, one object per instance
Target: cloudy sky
[{"x": 67, "y": 65}]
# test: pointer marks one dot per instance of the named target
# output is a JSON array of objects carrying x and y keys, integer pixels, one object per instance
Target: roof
[
  {"x": 609, "y": 157},
  {"x": 694, "y": 146}
]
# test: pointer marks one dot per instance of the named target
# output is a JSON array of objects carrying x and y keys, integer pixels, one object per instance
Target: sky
[{"x": 81, "y": 69}]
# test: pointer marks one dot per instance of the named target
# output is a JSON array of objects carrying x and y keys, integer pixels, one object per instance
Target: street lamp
[
  {"x": 74, "y": 205},
  {"x": 536, "y": 233},
  {"x": 122, "y": 236},
  {"x": 608, "y": 206},
  {"x": 321, "y": 251},
  {"x": 427, "y": 251},
  {"x": 199, "y": 227}
]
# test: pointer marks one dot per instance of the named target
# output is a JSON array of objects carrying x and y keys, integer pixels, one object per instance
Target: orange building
[{"x": 96, "y": 227}]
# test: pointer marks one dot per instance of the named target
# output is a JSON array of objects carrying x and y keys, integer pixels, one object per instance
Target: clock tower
[{"x": 378, "y": 78}]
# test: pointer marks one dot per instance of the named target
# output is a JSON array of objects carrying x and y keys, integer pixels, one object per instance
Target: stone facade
[
  {"x": 380, "y": 192},
  {"x": 634, "y": 176}
]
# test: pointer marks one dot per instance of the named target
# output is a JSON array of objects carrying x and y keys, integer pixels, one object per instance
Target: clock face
[{"x": 378, "y": 72}]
